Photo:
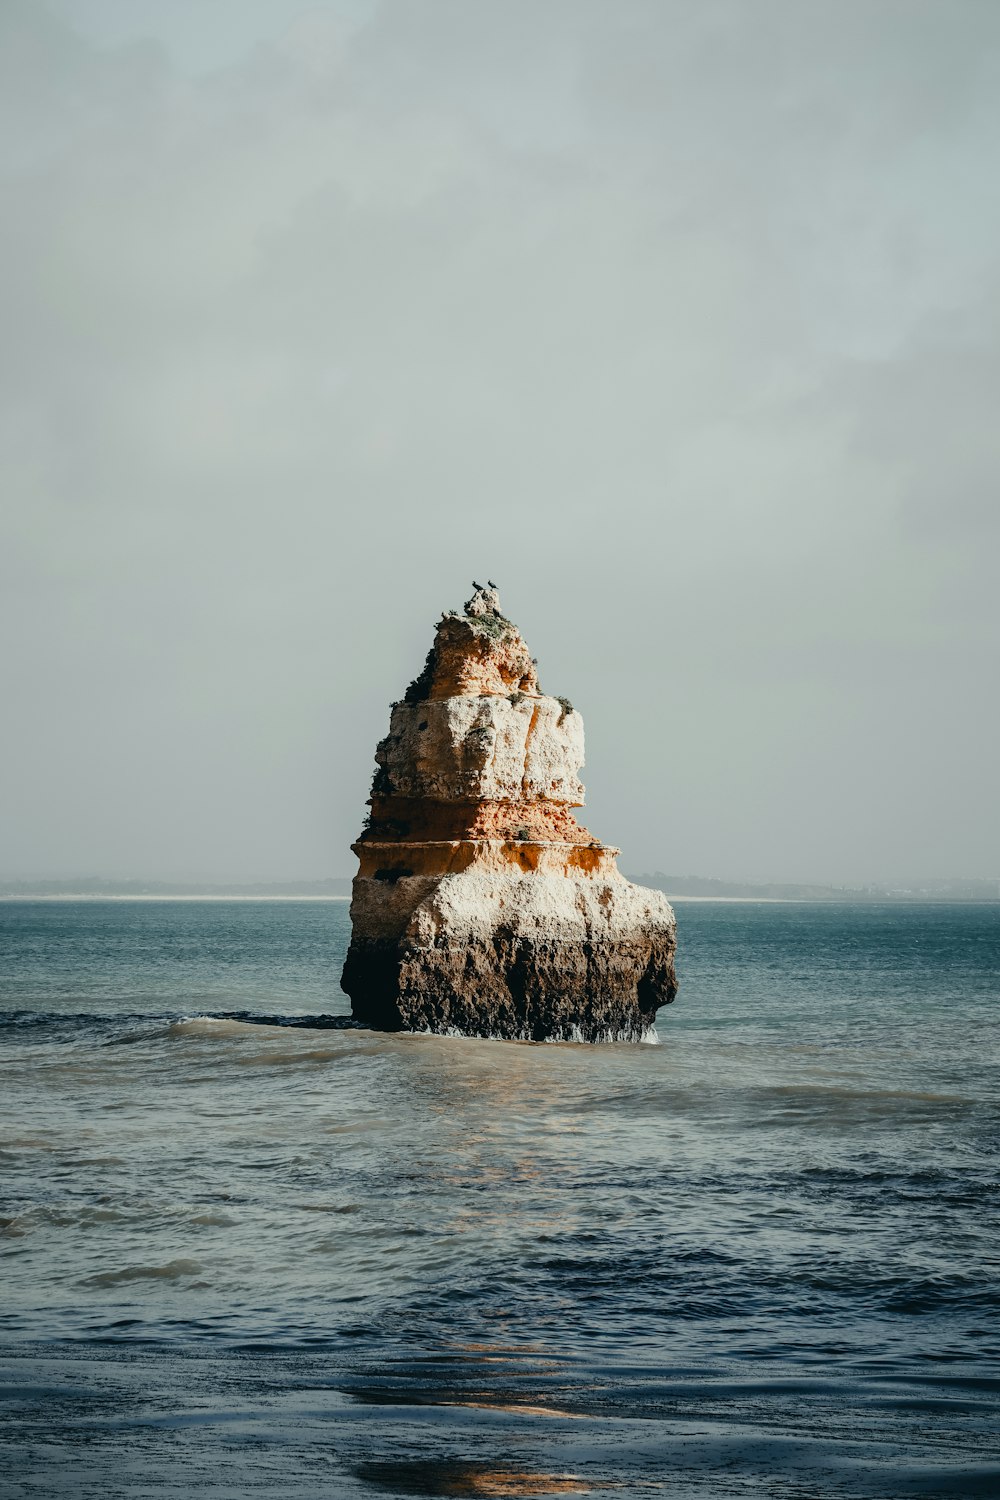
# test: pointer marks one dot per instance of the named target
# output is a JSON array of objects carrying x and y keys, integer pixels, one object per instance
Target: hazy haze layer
[{"x": 678, "y": 320}]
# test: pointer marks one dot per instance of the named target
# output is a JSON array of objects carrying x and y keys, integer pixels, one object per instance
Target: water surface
[{"x": 306, "y": 1259}]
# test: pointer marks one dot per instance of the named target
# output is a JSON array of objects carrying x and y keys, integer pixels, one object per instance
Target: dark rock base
[{"x": 513, "y": 988}]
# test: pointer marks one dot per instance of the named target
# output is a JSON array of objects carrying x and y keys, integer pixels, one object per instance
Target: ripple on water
[
  {"x": 759, "y": 1259},
  {"x": 172, "y": 1271}
]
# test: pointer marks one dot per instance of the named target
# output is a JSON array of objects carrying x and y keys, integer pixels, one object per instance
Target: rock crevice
[{"x": 481, "y": 905}]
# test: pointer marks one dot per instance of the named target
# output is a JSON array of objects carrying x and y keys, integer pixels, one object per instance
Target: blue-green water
[{"x": 245, "y": 1259}]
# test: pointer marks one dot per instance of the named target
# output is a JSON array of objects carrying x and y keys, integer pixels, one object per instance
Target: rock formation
[{"x": 481, "y": 906}]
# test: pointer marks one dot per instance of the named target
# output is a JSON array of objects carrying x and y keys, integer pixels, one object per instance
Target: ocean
[{"x": 250, "y": 1250}]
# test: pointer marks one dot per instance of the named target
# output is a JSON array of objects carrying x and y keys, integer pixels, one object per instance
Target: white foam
[{"x": 572, "y": 1035}]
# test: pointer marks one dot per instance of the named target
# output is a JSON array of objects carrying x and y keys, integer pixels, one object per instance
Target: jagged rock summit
[{"x": 481, "y": 905}]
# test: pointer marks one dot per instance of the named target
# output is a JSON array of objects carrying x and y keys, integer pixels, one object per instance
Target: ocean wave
[
  {"x": 207, "y": 1026},
  {"x": 139, "y": 1026},
  {"x": 174, "y": 1270},
  {"x": 325, "y": 1022},
  {"x": 27, "y": 1023}
]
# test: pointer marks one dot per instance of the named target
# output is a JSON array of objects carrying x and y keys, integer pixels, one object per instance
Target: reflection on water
[
  {"x": 759, "y": 1259},
  {"x": 435, "y": 1478}
]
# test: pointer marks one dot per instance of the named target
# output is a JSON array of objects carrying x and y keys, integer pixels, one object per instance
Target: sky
[{"x": 680, "y": 319}]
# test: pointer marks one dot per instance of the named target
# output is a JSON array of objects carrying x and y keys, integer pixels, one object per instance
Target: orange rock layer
[
  {"x": 415, "y": 819},
  {"x": 390, "y": 863}
]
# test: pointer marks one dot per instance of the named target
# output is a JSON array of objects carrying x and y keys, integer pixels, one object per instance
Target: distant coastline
[
  {"x": 180, "y": 896},
  {"x": 93, "y": 888},
  {"x": 676, "y": 887},
  {"x": 700, "y": 888}
]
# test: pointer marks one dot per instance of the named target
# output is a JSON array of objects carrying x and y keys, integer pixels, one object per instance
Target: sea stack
[{"x": 482, "y": 907}]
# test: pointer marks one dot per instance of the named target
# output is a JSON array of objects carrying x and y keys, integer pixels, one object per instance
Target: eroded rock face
[
  {"x": 483, "y": 748},
  {"x": 481, "y": 905}
]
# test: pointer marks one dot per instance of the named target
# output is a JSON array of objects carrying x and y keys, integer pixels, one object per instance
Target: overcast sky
[{"x": 679, "y": 320}]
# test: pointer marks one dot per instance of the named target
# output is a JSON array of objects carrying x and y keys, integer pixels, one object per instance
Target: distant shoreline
[
  {"x": 679, "y": 888},
  {"x": 937, "y": 891},
  {"x": 839, "y": 900},
  {"x": 154, "y": 896},
  {"x": 95, "y": 897}
]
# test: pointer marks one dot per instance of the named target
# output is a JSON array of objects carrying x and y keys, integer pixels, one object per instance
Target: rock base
[
  {"x": 513, "y": 989},
  {"x": 516, "y": 956}
]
